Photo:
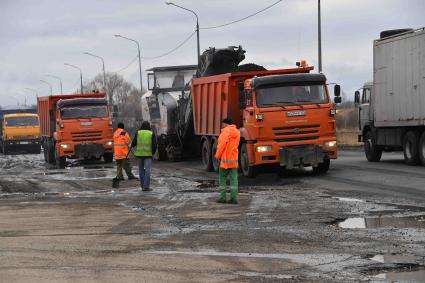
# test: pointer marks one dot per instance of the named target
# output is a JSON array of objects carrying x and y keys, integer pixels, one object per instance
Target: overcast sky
[{"x": 38, "y": 36}]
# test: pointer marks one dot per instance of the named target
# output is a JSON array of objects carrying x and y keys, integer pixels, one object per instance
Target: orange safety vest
[
  {"x": 227, "y": 147},
  {"x": 121, "y": 143}
]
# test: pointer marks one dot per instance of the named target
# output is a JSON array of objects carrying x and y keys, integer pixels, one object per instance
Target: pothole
[
  {"x": 403, "y": 276},
  {"x": 394, "y": 258},
  {"x": 417, "y": 221}
]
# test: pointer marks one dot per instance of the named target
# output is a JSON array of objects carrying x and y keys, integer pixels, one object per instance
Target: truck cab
[
  {"x": 20, "y": 132},
  {"x": 363, "y": 101},
  {"x": 288, "y": 119}
]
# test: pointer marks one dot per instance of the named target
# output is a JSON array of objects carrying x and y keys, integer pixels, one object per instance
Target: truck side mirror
[
  {"x": 337, "y": 90},
  {"x": 357, "y": 97},
  {"x": 337, "y": 99}
]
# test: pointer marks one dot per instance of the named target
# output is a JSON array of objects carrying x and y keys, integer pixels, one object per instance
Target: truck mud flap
[
  {"x": 296, "y": 156},
  {"x": 89, "y": 150}
]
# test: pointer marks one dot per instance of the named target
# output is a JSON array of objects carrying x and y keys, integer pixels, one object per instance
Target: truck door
[{"x": 364, "y": 107}]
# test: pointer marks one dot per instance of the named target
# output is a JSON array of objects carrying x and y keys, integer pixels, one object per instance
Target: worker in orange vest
[
  {"x": 227, "y": 152},
  {"x": 122, "y": 142}
]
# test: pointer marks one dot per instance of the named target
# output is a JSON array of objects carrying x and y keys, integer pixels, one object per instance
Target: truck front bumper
[
  {"x": 301, "y": 156},
  {"x": 23, "y": 143},
  {"x": 85, "y": 149}
]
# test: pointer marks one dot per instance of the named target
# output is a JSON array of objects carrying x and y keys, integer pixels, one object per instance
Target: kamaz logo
[{"x": 295, "y": 113}]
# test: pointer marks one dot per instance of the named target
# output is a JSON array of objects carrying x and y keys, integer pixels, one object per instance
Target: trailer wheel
[
  {"x": 162, "y": 152},
  {"x": 322, "y": 168},
  {"x": 422, "y": 148},
  {"x": 372, "y": 151},
  {"x": 108, "y": 157},
  {"x": 411, "y": 148},
  {"x": 206, "y": 155},
  {"x": 215, "y": 162},
  {"x": 247, "y": 170}
]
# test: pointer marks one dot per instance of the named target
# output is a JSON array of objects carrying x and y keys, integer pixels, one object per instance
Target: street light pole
[
  {"x": 58, "y": 78},
  {"x": 51, "y": 90},
  {"x": 140, "y": 62},
  {"x": 320, "y": 37},
  {"x": 103, "y": 68},
  {"x": 81, "y": 74},
  {"x": 197, "y": 30}
]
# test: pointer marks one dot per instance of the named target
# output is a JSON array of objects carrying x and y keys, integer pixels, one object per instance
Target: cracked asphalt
[{"x": 362, "y": 222}]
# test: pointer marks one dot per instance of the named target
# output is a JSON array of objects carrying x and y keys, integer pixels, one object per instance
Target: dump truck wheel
[
  {"x": 322, "y": 168},
  {"x": 5, "y": 149},
  {"x": 60, "y": 160},
  {"x": 372, "y": 151},
  {"x": 206, "y": 155},
  {"x": 247, "y": 170},
  {"x": 411, "y": 148},
  {"x": 162, "y": 153},
  {"x": 215, "y": 162},
  {"x": 108, "y": 157},
  {"x": 421, "y": 148},
  {"x": 50, "y": 153}
]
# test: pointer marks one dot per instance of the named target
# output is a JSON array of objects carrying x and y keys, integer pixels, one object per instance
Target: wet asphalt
[{"x": 361, "y": 222}]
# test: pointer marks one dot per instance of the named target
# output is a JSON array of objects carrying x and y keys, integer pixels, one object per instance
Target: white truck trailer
[{"x": 392, "y": 107}]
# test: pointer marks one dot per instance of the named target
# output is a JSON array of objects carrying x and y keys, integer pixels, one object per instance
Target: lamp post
[
  {"x": 58, "y": 78},
  {"x": 103, "y": 68},
  {"x": 320, "y": 37},
  {"x": 197, "y": 30},
  {"x": 43, "y": 81},
  {"x": 140, "y": 63},
  {"x": 81, "y": 74}
]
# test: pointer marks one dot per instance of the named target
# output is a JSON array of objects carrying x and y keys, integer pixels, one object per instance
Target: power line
[
  {"x": 244, "y": 18},
  {"x": 127, "y": 66},
  {"x": 172, "y": 50}
]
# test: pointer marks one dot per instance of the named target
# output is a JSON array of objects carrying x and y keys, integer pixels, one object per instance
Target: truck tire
[
  {"x": 162, "y": 153},
  {"x": 372, "y": 151},
  {"x": 247, "y": 170},
  {"x": 60, "y": 160},
  {"x": 322, "y": 168},
  {"x": 51, "y": 153},
  {"x": 215, "y": 162},
  {"x": 411, "y": 148},
  {"x": 421, "y": 148},
  {"x": 206, "y": 155},
  {"x": 5, "y": 149},
  {"x": 108, "y": 157}
]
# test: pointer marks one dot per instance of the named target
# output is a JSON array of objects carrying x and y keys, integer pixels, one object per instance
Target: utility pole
[{"x": 320, "y": 37}]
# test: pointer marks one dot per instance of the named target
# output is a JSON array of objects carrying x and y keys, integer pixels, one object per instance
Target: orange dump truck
[
  {"x": 285, "y": 117},
  {"x": 75, "y": 126}
]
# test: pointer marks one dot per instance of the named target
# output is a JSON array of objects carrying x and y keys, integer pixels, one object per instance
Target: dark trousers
[{"x": 126, "y": 165}]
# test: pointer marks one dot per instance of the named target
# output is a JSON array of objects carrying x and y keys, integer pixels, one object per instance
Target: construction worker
[
  {"x": 145, "y": 143},
  {"x": 121, "y": 149},
  {"x": 227, "y": 153}
]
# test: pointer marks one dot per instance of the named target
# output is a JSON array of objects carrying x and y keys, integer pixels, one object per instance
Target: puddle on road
[
  {"x": 407, "y": 276},
  {"x": 394, "y": 258},
  {"x": 384, "y": 222}
]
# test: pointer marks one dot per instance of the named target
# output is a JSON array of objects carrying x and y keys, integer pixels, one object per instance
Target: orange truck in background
[
  {"x": 75, "y": 126},
  {"x": 285, "y": 117}
]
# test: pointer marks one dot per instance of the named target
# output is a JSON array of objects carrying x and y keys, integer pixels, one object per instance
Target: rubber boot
[
  {"x": 234, "y": 196},
  {"x": 222, "y": 198}
]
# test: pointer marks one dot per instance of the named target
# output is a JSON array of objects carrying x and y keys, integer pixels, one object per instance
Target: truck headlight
[
  {"x": 329, "y": 144},
  {"x": 259, "y": 117},
  {"x": 264, "y": 148},
  {"x": 109, "y": 143},
  {"x": 65, "y": 146}
]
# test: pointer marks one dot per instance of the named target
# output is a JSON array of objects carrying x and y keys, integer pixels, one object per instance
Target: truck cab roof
[
  {"x": 20, "y": 115},
  {"x": 287, "y": 78}
]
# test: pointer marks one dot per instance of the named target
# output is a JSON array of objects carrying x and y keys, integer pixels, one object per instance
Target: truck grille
[
  {"x": 296, "y": 133},
  {"x": 84, "y": 136}
]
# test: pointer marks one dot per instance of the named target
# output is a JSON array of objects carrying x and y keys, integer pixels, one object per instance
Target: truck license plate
[
  {"x": 24, "y": 142},
  {"x": 86, "y": 123},
  {"x": 295, "y": 113}
]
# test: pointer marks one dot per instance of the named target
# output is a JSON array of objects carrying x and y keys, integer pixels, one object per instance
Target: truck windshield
[
  {"x": 22, "y": 121},
  {"x": 282, "y": 95},
  {"x": 84, "y": 112}
]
